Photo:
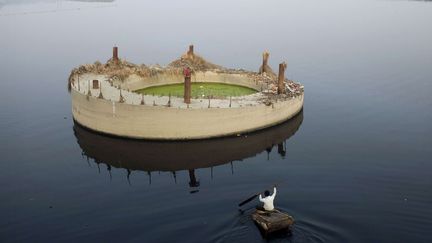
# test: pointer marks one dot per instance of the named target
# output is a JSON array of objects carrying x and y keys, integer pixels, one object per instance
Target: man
[{"x": 268, "y": 200}]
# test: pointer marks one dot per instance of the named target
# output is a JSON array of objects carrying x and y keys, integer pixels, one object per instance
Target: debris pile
[
  {"x": 119, "y": 69},
  {"x": 270, "y": 85},
  {"x": 294, "y": 88},
  {"x": 193, "y": 61},
  {"x": 261, "y": 78}
]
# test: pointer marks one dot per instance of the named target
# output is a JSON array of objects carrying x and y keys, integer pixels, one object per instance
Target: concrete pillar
[
  {"x": 265, "y": 62},
  {"x": 100, "y": 91},
  {"x": 142, "y": 100},
  {"x": 121, "y": 99},
  {"x": 187, "y": 85},
  {"x": 191, "y": 50},
  {"x": 281, "y": 78},
  {"x": 115, "y": 53}
]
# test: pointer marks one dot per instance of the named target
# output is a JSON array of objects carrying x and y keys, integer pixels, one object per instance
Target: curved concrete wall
[
  {"x": 135, "y": 82},
  {"x": 160, "y": 122}
]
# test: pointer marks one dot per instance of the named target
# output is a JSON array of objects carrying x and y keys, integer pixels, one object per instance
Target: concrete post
[
  {"x": 187, "y": 85},
  {"x": 100, "y": 91},
  {"x": 191, "y": 50},
  {"x": 281, "y": 78},
  {"x": 115, "y": 53},
  {"x": 142, "y": 100},
  {"x": 122, "y": 99},
  {"x": 265, "y": 62}
]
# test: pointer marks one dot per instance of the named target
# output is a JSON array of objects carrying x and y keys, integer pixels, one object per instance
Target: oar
[
  {"x": 251, "y": 198},
  {"x": 248, "y": 200}
]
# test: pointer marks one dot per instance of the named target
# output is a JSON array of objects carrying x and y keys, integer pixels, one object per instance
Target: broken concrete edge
[
  {"x": 124, "y": 69},
  {"x": 120, "y": 71},
  {"x": 123, "y": 91}
]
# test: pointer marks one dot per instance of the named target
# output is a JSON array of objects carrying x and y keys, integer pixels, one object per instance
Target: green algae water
[{"x": 199, "y": 90}]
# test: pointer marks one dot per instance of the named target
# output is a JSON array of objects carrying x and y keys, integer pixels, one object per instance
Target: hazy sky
[{"x": 33, "y": 1}]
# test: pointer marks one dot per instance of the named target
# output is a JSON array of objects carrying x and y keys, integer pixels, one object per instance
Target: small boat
[{"x": 272, "y": 221}]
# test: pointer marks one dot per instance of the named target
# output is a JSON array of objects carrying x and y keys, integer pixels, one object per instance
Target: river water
[{"x": 354, "y": 166}]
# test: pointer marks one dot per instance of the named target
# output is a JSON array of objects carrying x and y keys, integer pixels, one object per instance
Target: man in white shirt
[{"x": 268, "y": 200}]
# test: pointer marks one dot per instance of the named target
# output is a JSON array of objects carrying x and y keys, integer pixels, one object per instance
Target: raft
[{"x": 272, "y": 221}]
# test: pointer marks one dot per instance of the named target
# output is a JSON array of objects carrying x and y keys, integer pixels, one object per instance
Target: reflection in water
[{"x": 151, "y": 156}]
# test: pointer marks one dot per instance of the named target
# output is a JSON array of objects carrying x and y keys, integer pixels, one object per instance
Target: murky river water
[{"x": 354, "y": 166}]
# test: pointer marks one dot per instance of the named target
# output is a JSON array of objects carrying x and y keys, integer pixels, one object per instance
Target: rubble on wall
[
  {"x": 119, "y": 69},
  {"x": 196, "y": 63},
  {"x": 193, "y": 61}
]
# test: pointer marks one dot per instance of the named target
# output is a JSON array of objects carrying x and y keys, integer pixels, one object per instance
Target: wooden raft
[{"x": 272, "y": 221}]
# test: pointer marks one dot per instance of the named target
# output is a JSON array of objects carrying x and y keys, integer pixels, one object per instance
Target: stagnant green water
[{"x": 199, "y": 90}]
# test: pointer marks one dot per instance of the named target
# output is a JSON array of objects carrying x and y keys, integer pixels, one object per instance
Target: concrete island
[{"x": 108, "y": 98}]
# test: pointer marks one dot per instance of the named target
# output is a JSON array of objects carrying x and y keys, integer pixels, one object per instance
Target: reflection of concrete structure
[
  {"x": 114, "y": 108},
  {"x": 175, "y": 156}
]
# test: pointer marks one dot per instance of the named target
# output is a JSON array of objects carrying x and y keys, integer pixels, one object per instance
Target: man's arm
[
  {"x": 274, "y": 192},
  {"x": 260, "y": 198}
]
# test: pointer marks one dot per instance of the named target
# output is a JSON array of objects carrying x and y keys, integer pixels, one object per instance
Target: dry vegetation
[
  {"x": 194, "y": 62},
  {"x": 121, "y": 70}
]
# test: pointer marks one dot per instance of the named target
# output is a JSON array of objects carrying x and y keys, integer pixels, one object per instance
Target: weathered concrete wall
[
  {"x": 112, "y": 93},
  {"x": 159, "y": 122},
  {"x": 135, "y": 82}
]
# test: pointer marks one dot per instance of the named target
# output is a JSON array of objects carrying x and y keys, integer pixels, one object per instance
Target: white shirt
[{"x": 268, "y": 201}]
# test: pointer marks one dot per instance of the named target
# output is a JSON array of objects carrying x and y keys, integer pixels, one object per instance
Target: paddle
[{"x": 248, "y": 200}]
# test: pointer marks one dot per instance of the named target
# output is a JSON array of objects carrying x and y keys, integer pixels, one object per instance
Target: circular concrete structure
[{"x": 106, "y": 104}]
